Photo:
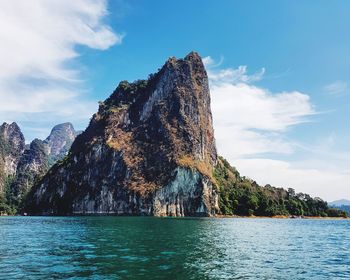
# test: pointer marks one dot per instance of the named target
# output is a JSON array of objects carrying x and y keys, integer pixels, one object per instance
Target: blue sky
[{"x": 279, "y": 74}]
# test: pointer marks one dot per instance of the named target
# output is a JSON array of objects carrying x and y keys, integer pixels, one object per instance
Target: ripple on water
[{"x": 151, "y": 248}]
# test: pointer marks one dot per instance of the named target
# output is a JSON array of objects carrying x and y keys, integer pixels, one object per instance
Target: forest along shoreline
[
  {"x": 218, "y": 216},
  {"x": 282, "y": 217}
]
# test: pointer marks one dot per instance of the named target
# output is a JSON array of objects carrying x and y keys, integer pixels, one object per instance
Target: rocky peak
[
  {"x": 149, "y": 149},
  {"x": 12, "y": 138},
  {"x": 171, "y": 108},
  {"x": 60, "y": 139},
  {"x": 36, "y": 155}
]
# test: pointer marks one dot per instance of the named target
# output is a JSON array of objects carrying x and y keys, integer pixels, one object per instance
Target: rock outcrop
[
  {"x": 59, "y": 141},
  {"x": 149, "y": 150},
  {"x": 12, "y": 145},
  {"x": 32, "y": 165}
]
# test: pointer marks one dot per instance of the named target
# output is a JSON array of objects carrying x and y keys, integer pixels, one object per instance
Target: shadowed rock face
[{"x": 149, "y": 150}]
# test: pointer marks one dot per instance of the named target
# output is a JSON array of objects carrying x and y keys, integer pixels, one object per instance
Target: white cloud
[
  {"x": 336, "y": 88},
  {"x": 250, "y": 107},
  {"x": 38, "y": 45},
  {"x": 249, "y": 119},
  {"x": 229, "y": 75},
  {"x": 251, "y": 125}
]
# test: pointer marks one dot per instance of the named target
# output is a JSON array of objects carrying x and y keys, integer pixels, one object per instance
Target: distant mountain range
[
  {"x": 22, "y": 165},
  {"x": 340, "y": 202}
]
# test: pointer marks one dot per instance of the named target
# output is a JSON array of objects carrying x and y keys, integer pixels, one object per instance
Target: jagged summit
[
  {"x": 149, "y": 149},
  {"x": 59, "y": 141},
  {"x": 11, "y": 135}
]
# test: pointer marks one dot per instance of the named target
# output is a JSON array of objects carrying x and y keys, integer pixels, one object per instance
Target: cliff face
[
  {"x": 32, "y": 165},
  {"x": 12, "y": 145},
  {"x": 149, "y": 150}
]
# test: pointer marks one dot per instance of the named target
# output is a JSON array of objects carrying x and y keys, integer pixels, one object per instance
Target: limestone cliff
[
  {"x": 149, "y": 150},
  {"x": 32, "y": 165},
  {"x": 12, "y": 145}
]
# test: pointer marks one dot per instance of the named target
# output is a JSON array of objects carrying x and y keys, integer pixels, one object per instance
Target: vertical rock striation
[
  {"x": 12, "y": 145},
  {"x": 32, "y": 165},
  {"x": 149, "y": 150}
]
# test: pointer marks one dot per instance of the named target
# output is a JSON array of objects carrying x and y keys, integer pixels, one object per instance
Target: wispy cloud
[
  {"x": 38, "y": 80},
  {"x": 230, "y": 75},
  {"x": 336, "y": 88},
  {"x": 248, "y": 119}
]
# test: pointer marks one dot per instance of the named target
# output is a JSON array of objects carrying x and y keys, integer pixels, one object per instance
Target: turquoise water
[{"x": 156, "y": 248}]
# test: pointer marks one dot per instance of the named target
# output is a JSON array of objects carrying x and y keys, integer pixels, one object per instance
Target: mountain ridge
[
  {"x": 21, "y": 165},
  {"x": 340, "y": 202}
]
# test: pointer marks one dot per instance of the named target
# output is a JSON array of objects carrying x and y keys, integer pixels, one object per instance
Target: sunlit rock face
[
  {"x": 58, "y": 143},
  {"x": 149, "y": 150},
  {"x": 12, "y": 145}
]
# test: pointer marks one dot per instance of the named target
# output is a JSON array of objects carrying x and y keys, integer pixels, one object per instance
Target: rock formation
[
  {"x": 32, "y": 165},
  {"x": 59, "y": 141},
  {"x": 149, "y": 150},
  {"x": 12, "y": 145},
  {"x": 21, "y": 165}
]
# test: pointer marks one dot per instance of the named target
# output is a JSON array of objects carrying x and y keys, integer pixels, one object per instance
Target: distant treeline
[
  {"x": 345, "y": 208},
  {"x": 243, "y": 196}
]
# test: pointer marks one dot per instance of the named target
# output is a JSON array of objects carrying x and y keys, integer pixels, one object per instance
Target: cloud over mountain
[{"x": 39, "y": 39}]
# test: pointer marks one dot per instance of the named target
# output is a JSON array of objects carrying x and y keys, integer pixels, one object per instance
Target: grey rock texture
[
  {"x": 149, "y": 150},
  {"x": 32, "y": 165},
  {"x": 59, "y": 141},
  {"x": 12, "y": 145}
]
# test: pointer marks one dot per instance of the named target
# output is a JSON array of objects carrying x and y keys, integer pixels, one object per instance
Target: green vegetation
[
  {"x": 13, "y": 197},
  {"x": 8, "y": 202},
  {"x": 345, "y": 208},
  {"x": 126, "y": 94},
  {"x": 16, "y": 187},
  {"x": 243, "y": 196}
]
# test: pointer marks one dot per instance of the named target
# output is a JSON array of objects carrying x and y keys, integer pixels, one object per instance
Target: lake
[{"x": 173, "y": 248}]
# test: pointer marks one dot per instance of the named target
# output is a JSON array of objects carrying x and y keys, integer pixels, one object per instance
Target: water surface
[{"x": 165, "y": 248}]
